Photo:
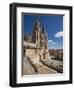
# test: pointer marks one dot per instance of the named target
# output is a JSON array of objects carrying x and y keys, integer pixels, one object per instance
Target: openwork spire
[{"x": 37, "y": 20}]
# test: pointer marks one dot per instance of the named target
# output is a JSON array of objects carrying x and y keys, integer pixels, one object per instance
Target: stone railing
[
  {"x": 27, "y": 44},
  {"x": 51, "y": 64},
  {"x": 33, "y": 64}
]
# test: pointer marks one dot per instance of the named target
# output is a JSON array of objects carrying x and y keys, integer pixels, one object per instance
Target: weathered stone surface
[
  {"x": 54, "y": 64},
  {"x": 28, "y": 68},
  {"x": 32, "y": 68}
]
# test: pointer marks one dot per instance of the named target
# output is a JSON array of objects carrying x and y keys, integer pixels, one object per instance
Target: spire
[
  {"x": 43, "y": 29},
  {"x": 37, "y": 20}
]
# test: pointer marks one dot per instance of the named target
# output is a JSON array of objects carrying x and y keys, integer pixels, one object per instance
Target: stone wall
[
  {"x": 29, "y": 52},
  {"x": 36, "y": 54}
]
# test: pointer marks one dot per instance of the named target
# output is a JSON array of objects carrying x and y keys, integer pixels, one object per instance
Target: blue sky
[{"x": 53, "y": 25}]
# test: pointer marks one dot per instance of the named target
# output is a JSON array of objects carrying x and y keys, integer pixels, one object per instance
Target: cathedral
[{"x": 36, "y": 43}]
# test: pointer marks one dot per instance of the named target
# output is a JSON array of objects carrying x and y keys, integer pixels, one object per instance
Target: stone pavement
[{"x": 28, "y": 69}]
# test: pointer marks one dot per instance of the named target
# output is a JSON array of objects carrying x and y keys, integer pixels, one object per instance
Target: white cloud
[
  {"x": 51, "y": 42},
  {"x": 59, "y": 34},
  {"x": 54, "y": 43}
]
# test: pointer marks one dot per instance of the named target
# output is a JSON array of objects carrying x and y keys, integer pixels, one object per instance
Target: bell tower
[{"x": 36, "y": 32}]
